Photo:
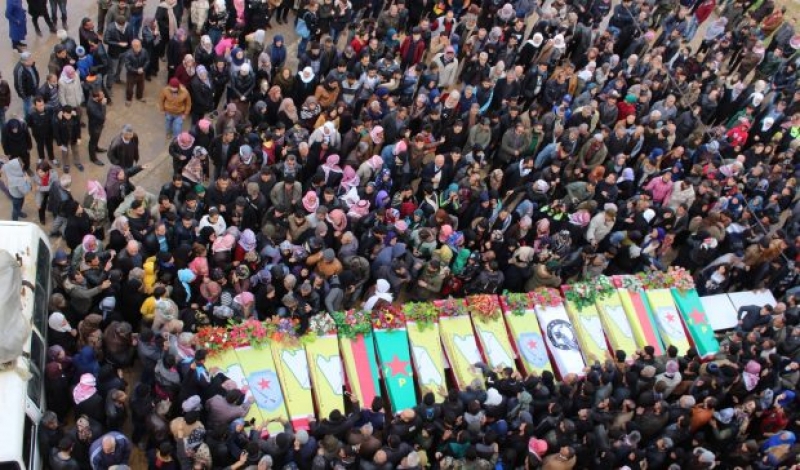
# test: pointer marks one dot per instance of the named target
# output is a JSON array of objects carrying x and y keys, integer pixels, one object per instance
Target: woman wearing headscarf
[
  {"x": 60, "y": 332},
  {"x": 177, "y": 50},
  {"x": 287, "y": 113},
  {"x": 263, "y": 68},
  {"x": 201, "y": 90},
  {"x": 95, "y": 204},
  {"x": 309, "y": 112},
  {"x": 117, "y": 187},
  {"x": 59, "y": 374},
  {"x": 241, "y": 86},
  {"x": 87, "y": 400},
  {"x": 326, "y": 135},
  {"x": 204, "y": 53}
]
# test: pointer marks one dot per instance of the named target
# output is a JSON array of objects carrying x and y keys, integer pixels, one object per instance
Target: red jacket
[{"x": 411, "y": 57}]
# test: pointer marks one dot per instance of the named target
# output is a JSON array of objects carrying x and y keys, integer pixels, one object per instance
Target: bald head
[{"x": 109, "y": 444}]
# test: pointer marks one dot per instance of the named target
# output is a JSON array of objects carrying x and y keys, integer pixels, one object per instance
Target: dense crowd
[{"x": 449, "y": 148}]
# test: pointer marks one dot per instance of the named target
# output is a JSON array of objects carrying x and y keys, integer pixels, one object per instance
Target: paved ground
[{"x": 145, "y": 117}]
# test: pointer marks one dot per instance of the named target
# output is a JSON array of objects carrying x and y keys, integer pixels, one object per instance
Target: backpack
[{"x": 301, "y": 28}]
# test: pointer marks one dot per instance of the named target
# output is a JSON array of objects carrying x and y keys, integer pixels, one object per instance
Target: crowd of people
[{"x": 419, "y": 149}]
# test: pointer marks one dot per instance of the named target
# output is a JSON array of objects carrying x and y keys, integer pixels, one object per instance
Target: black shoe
[
  {"x": 39, "y": 32},
  {"x": 79, "y": 167},
  {"x": 53, "y": 31},
  {"x": 23, "y": 215},
  {"x": 101, "y": 150},
  {"x": 66, "y": 169},
  {"x": 98, "y": 162}
]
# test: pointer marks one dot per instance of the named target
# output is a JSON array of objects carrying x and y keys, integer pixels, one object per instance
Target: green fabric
[
  {"x": 396, "y": 368},
  {"x": 694, "y": 316}
]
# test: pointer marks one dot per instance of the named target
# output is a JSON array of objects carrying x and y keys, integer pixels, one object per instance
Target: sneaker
[
  {"x": 55, "y": 163},
  {"x": 23, "y": 215},
  {"x": 101, "y": 150},
  {"x": 142, "y": 100},
  {"x": 66, "y": 169},
  {"x": 79, "y": 167},
  {"x": 39, "y": 161}
]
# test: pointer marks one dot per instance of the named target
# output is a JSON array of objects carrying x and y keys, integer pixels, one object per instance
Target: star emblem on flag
[
  {"x": 698, "y": 317},
  {"x": 397, "y": 367}
]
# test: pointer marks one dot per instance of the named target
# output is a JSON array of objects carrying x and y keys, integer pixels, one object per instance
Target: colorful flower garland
[
  {"x": 352, "y": 323},
  {"x": 388, "y": 318},
  {"x": 484, "y": 307},
  {"x": 584, "y": 294},
  {"x": 423, "y": 314}
]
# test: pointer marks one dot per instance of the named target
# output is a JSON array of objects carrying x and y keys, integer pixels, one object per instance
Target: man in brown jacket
[{"x": 176, "y": 104}]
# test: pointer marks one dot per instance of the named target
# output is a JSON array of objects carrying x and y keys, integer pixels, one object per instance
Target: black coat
[{"x": 202, "y": 96}]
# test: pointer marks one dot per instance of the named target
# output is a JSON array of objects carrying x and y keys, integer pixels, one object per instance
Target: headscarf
[
  {"x": 207, "y": 45},
  {"x": 119, "y": 226},
  {"x": 96, "y": 190},
  {"x": 350, "y": 179},
  {"x": 53, "y": 352},
  {"x": 87, "y": 240},
  {"x": 223, "y": 243},
  {"x": 113, "y": 184},
  {"x": 186, "y": 277},
  {"x": 331, "y": 164},
  {"x": 751, "y": 375},
  {"x": 627, "y": 175},
  {"x": 374, "y": 134},
  {"x": 58, "y": 322},
  {"x": 67, "y": 74},
  {"x": 277, "y": 54},
  {"x": 288, "y": 108},
  {"x": 85, "y": 388},
  {"x": 247, "y": 240}
]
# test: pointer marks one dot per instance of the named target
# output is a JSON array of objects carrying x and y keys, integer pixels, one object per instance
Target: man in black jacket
[
  {"x": 96, "y": 110},
  {"x": 118, "y": 37},
  {"x": 26, "y": 80},
  {"x": 40, "y": 122}
]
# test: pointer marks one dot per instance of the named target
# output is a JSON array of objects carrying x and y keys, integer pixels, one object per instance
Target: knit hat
[
  {"x": 329, "y": 255},
  {"x": 174, "y": 83},
  {"x": 193, "y": 403},
  {"x": 301, "y": 436}
]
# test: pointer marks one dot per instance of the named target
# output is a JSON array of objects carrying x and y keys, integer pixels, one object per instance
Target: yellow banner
[
  {"x": 668, "y": 320},
  {"x": 615, "y": 321},
  {"x": 228, "y": 363},
  {"x": 530, "y": 343},
  {"x": 264, "y": 386},
  {"x": 494, "y": 341},
  {"x": 461, "y": 348},
  {"x": 292, "y": 366},
  {"x": 428, "y": 357},
  {"x": 590, "y": 333},
  {"x": 327, "y": 374}
]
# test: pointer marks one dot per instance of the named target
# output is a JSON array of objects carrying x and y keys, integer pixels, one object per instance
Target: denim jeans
[
  {"x": 16, "y": 207},
  {"x": 173, "y": 123},
  {"x": 136, "y": 24},
  {"x": 27, "y": 106},
  {"x": 58, "y": 5},
  {"x": 114, "y": 68}
]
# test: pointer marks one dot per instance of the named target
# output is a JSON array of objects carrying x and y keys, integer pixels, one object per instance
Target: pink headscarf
[
  {"x": 349, "y": 179},
  {"x": 245, "y": 298},
  {"x": 96, "y": 190},
  {"x": 376, "y": 139},
  {"x": 87, "y": 240},
  {"x": 337, "y": 219},
  {"x": 751, "y": 375},
  {"x": 331, "y": 165},
  {"x": 199, "y": 266},
  {"x": 223, "y": 243},
  {"x": 376, "y": 162},
  {"x": 85, "y": 388}
]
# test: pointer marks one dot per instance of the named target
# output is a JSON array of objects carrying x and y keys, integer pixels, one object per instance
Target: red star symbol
[
  {"x": 670, "y": 317},
  {"x": 532, "y": 344},
  {"x": 698, "y": 317},
  {"x": 397, "y": 367},
  {"x": 263, "y": 384}
]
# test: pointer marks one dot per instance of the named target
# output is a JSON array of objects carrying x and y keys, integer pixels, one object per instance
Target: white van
[{"x": 21, "y": 398}]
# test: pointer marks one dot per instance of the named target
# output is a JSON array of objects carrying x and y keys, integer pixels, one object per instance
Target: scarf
[
  {"x": 119, "y": 225},
  {"x": 248, "y": 240},
  {"x": 85, "y": 389},
  {"x": 193, "y": 171},
  {"x": 95, "y": 189},
  {"x": 169, "y": 5},
  {"x": 751, "y": 375},
  {"x": 58, "y": 322},
  {"x": 331, "y": 164}
]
